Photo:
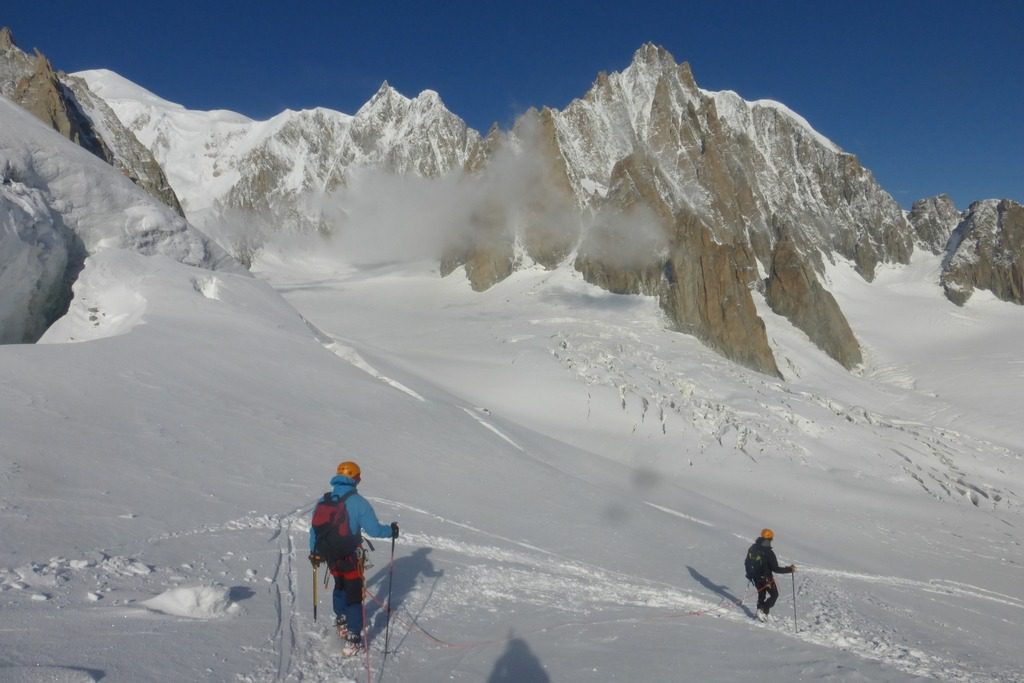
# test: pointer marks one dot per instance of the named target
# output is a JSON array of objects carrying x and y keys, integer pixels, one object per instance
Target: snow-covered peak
[
  {"x": 801, "y": 121},
  {"x": 388, "y": 106},
  {"x": 113, "y": 87},
  {"x": 738, "y": 114},
  {"x": 386, "y": 100},
  {"x": 218, "y": 159},
  {"x": 429, "y": 99},
  {"x": 653, "y": 58}
]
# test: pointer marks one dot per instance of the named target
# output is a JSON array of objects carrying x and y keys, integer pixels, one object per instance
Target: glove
[
  {"x": 792, "y": 567},
  {"x": 394, "y": 529},
  {"x": 314, "y": 559}
]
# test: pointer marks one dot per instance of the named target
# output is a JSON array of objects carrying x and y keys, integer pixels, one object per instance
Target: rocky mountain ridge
[
  {"x": 712, "y": 174},
  {"x": 647, "y": 184},
  {"x": 986, "y": 251},
  {"x": 224, "y": 161},
  {"x": 66, "y": 104},
  {"x": 652, "y": 156}
]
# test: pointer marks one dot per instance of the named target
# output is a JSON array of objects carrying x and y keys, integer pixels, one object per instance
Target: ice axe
[{"x": 315, "y": 601}]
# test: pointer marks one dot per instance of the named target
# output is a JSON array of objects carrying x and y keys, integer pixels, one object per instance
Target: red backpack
[{"x": 335, "y": 542}]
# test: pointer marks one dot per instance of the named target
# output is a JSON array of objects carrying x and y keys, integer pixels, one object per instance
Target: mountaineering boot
[
  {"x": 353, "y": 646},
  {"x": 341, "y": 625},
  {"x": 762, "y": 616}
]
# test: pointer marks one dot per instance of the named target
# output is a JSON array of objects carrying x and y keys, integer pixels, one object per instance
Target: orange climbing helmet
[
  {"x": 767, "y": 534},
  {"x": 349, "y": 469}
]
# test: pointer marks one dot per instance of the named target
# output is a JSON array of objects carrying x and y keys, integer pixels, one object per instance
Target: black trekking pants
[{"x": 767, "y": 593}]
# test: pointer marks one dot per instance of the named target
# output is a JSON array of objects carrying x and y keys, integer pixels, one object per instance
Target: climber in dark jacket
[{"x": 760, "y": 565}]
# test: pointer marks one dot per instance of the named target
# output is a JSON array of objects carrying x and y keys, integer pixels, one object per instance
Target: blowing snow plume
[
  {"x": 523, "y": 209},
  {"x": 511, "y": 205},
  {"x": 383, "y": 217},
  {"x": 624, "y": 250}
]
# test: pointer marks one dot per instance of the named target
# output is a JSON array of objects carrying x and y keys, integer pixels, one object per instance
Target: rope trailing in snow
[{"x": 412, "y": 624}]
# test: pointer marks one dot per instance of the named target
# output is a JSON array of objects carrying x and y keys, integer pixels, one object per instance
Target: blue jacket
[{"x": 361, "y": 517}]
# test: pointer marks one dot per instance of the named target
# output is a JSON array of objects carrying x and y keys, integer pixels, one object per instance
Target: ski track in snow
[{"x": 494, "y": 575}]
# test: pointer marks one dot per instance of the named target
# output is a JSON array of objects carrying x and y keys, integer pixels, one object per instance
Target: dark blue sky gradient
[{"x": 929, "y": 95}]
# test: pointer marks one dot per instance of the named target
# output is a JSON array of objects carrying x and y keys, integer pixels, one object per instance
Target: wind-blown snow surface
[{"x": 576, "y": 486}]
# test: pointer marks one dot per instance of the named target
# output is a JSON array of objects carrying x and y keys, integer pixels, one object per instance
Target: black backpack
[
  {"x": 335, "y": 542},
  {"x": 756, "y": 565}
]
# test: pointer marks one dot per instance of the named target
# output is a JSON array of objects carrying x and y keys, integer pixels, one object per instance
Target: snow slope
[{"x": 576, "y": 485}]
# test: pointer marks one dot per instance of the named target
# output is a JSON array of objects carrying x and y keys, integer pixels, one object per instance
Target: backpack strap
[{"x": 330, "y": 498}]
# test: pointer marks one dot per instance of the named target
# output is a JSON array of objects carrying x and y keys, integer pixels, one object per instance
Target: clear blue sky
[{"x": 929, "y": 95}]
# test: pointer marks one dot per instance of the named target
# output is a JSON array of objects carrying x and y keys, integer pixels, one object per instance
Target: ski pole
[
  {"x": 792, "y": 575},
  {"x": 315, "y": 601},
  {"x": 391, "y": 581}
]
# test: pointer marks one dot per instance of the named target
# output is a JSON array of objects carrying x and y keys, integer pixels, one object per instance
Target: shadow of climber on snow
[
  {"x": 518, "y": 664},
  {"x": 719, "y": 590},
  {"x": 405, "y": 576}
]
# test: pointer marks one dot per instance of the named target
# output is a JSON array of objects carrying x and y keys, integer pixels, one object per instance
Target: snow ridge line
[
  {"x": 348, "y": 354},
  {"x": 494, "y": 429},
  {"x": 676, "y": 513},
  {"x": 351, "y": 356}
]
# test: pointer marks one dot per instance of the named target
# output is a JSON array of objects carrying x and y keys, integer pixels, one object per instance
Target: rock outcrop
[
  {"x": 708, "y": 295},
  {"x": 41, "y": 93},
  {"x": 741, "y": 166},
  {"x": 646, "y": 151},
  {"x": 934, "y": 220},
  {"x": 128, "y": 155},
  {"x": 794, "y": 291},
  {"x": 68, "y": 106},
  {"x": 986, "y": 251}
]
